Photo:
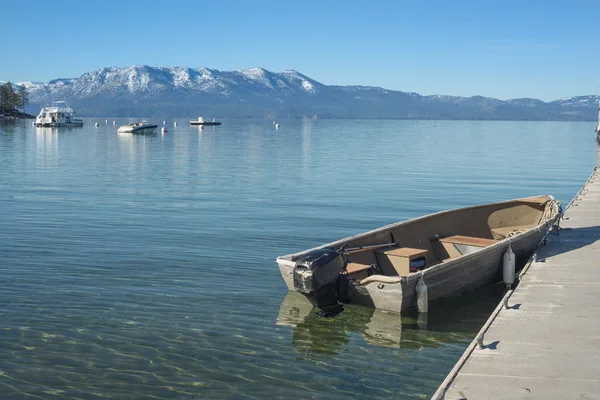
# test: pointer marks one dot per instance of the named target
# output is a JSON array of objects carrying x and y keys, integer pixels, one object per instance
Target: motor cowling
[{"x": 316, "y": 274}]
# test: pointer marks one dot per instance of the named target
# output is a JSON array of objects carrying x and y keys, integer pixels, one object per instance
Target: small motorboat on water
[
  {"x": 56, "y": 116},
  {"x": 138, "y": 127},
  {"x": 452, "y": 252},
  {"x": 202, "y": 122}
]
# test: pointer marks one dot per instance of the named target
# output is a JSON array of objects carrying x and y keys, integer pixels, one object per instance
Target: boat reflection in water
[{"x": 452, "y": 321}]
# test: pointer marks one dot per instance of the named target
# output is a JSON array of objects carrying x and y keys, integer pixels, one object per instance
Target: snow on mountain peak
[
  {"x": 253, "y": 73},
  {"x": 146, "y": 79},
  {"x": 28, "y": 84},
  {"x": 306, "y": 85}
]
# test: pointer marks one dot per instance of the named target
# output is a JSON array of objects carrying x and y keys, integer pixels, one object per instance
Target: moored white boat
[
  {"x": 57, "y": 115},
  {"x": 142, "y": 127},
  {"x": 452, "y": 251},
  {"x": 201, "y": 121}
]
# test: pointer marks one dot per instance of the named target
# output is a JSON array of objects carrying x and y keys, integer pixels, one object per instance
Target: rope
[
  {"x": 514, "y": 233},
  {"x": 548, "y": 211},
  {"x": 547, "y": 215}
]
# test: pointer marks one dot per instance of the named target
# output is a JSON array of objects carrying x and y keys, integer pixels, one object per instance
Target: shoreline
[{"x": 15, "y": 116}]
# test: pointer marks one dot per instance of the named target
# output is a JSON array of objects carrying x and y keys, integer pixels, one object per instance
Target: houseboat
[{"x": 59, "y": 114}]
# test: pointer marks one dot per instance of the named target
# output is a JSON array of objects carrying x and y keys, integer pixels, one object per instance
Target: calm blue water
[{"x": 144, "y": 266}]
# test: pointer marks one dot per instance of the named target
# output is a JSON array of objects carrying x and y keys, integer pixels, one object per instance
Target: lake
[{"x": 144, "y": 266}]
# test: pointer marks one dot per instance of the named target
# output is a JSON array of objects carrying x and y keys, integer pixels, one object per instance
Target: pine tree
[
  {"x": 23, "y": 97},
  {"x": 4, "y": 96},
  {"x": 8, "y": 98}
]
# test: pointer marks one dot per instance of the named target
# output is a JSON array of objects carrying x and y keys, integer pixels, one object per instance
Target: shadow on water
[{"x": 450, "y": 321}]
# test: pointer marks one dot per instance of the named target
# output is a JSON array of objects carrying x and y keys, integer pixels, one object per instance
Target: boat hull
[
  {"x": 458, "y": 276},
  {"x": 452, "y": 279},
  {"x": 58, "y": 124},
  {"x": 447, "y": 279},
  {"x": 139, "y": 130},
  {"x": 204, "y": 123}
]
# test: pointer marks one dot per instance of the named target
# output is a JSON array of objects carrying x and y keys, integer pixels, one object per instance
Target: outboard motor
[{"x": 316, "y": 274}]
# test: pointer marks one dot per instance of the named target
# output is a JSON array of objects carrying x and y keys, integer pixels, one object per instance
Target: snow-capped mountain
[
  {"x": 147, "y": 81},
  {"x": 579, "y": 101},
  {"x": 143, "y": 90}
]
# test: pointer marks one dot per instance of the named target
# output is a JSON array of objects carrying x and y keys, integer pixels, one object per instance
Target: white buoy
[
  {"x": 273, "y": 122},
  {"x": 163, "y": 130},
  {"x": 33, "y": 123},
  {"x": 508, "y": 267},
  {"x": 164, "y": 122},
  {"x": 422, "y": 302},
  {"x": 114, "y": 123},
  {"x": 96, "y": 124},
  {"x": 276, "y": 126},
  {"x": 106, "y": 121},
  {"x": 175, "y": 124}
]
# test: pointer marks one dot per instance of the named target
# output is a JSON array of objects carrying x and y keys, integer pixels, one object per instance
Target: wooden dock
[{"x": 544, "y": 342}]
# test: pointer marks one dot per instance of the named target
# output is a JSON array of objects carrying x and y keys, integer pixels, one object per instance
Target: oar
[{"x": 369, "y": 247}]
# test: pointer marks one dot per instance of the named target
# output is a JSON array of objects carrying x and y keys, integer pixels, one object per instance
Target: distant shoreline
[
  {"x": 258, "y": 118},
  {"x": 15, "y": 115}
]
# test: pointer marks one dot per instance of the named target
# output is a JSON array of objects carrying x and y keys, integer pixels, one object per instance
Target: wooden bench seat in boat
[
  {"x": 459, "y": 245},
  {"x": 357, "y": 271},
  {"x": 353, "y": 268},
  {"x": 468, "y": 240}
]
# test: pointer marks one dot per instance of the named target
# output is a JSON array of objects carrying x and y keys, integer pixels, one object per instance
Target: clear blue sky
[{"x": 503, "y": 49}]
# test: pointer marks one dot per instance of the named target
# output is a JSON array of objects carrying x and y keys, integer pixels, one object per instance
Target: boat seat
[
  {"x": 468, "y": 241},
  {"x": 353, "y": 268},
  {"x": 502, "y": 232},
  {"x": 358, "y": 271}
]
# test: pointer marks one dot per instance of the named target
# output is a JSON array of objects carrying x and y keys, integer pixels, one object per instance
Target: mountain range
[{"x": 147, "y": 91}]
